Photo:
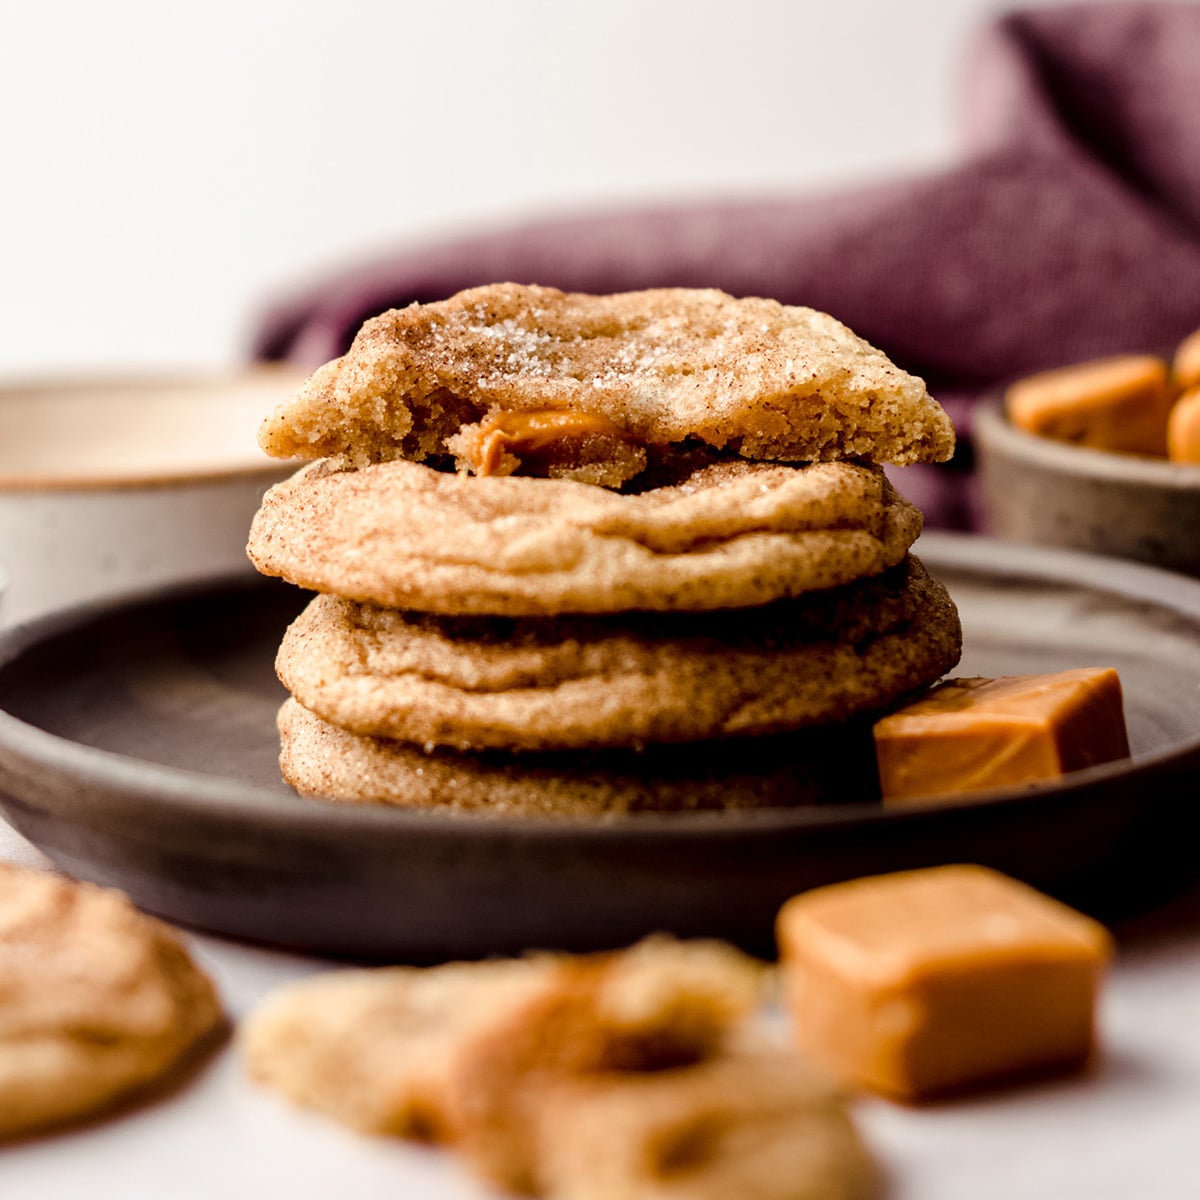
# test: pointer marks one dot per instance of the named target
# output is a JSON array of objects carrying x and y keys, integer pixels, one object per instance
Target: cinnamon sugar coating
[
  {"x": 664, "y": 366},
  {"x": 733, "y": 534},
  {"x": 534, "y": 683}
]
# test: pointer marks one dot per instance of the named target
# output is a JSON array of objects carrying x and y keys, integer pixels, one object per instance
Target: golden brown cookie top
[
  {"x": 663, "y": 367},
  {"x": 401, "y": 535}
]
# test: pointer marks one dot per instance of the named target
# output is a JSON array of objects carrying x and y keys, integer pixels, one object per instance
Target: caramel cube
[
  {"x": 1186, "y": 365},
  {"x": 1111, "y": 404},
  {"x": 974, "y": 733},
  {"x": 920, "y": 982},
  {"x": 1183, "y": 429}
]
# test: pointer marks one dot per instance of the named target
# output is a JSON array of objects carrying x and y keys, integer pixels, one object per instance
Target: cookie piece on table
[
  {"x": 660, "y": 1005},
  {"x": 384, "y": 1050},
  {"x": 755, "y": 1125},
  {"x": 463, "y": 377},
  {"x": 98, "y": 1002},
  {"x": 830, "y": 764},
  {"x": 374, "y": 1048},
  {"x": 402, "y": 535},
  {"x": 587, "y": 682}
]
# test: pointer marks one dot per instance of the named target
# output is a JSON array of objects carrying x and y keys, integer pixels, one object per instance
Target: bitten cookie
[
  {"x": 640, "y": 1077},
  {"x": 612, "y": 1076},
  {"x": 375, "y": 1048},
  {"x": 97, "y": 1001},
  {"x": 652, "y": 368},
  {"x": 402, "y": 535}
]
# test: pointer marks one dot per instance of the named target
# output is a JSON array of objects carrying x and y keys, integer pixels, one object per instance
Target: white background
[{"x": 167, "y": 168}]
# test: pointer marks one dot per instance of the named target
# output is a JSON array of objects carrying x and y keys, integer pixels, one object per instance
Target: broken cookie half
[
  {"x": 509, "y": 379},
  {"x": 624, "y": 1075}
]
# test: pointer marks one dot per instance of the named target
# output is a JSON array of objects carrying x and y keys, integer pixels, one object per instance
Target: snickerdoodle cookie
[
  {"x": 734, "y": 534},
  {"x": 97, "y": 1001},
  {"x": 443, "y": 381},
  {"x": 807, "y": 766},
  {"x": 382, "y": 1049},
  {"x": 529, "y": 683},
  {"x": 643, "y": 1072}
]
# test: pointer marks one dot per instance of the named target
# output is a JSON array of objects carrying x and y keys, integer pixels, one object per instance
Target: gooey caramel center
[{"x": 530, "y": 435}]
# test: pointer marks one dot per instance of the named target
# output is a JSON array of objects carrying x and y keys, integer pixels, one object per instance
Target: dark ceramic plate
[{"x": 137, "y": 748}]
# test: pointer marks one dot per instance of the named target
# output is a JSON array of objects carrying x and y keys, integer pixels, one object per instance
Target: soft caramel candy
[
  {"x": 1186, "y": 366},
  {"x": 1183, "y": 429},
  {"x": 967, "y": 734},
  {"x": 924, "y": 981},
  {"x": 1110, "y": 404}
]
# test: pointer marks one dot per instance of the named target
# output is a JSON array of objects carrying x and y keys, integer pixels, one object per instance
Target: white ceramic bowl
[{"x": 112, "y": 485}]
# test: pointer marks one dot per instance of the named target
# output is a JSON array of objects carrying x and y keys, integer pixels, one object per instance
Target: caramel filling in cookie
[{"x": 548, "y": 442}]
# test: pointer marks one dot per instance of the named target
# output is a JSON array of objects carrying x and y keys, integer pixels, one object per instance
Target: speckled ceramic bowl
[
  {"x": 1039, "y": 490},
  {"x": 118, "y": 483}
]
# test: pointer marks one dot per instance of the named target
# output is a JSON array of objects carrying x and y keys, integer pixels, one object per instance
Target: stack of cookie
[{"x": 597, "y": 554}]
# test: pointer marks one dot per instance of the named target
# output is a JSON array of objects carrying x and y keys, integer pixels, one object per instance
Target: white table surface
[{"x": 1127, "y": 1130}]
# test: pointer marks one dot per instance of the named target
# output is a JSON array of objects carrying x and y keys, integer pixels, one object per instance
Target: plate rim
[{"x": 204, "y": 794}]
